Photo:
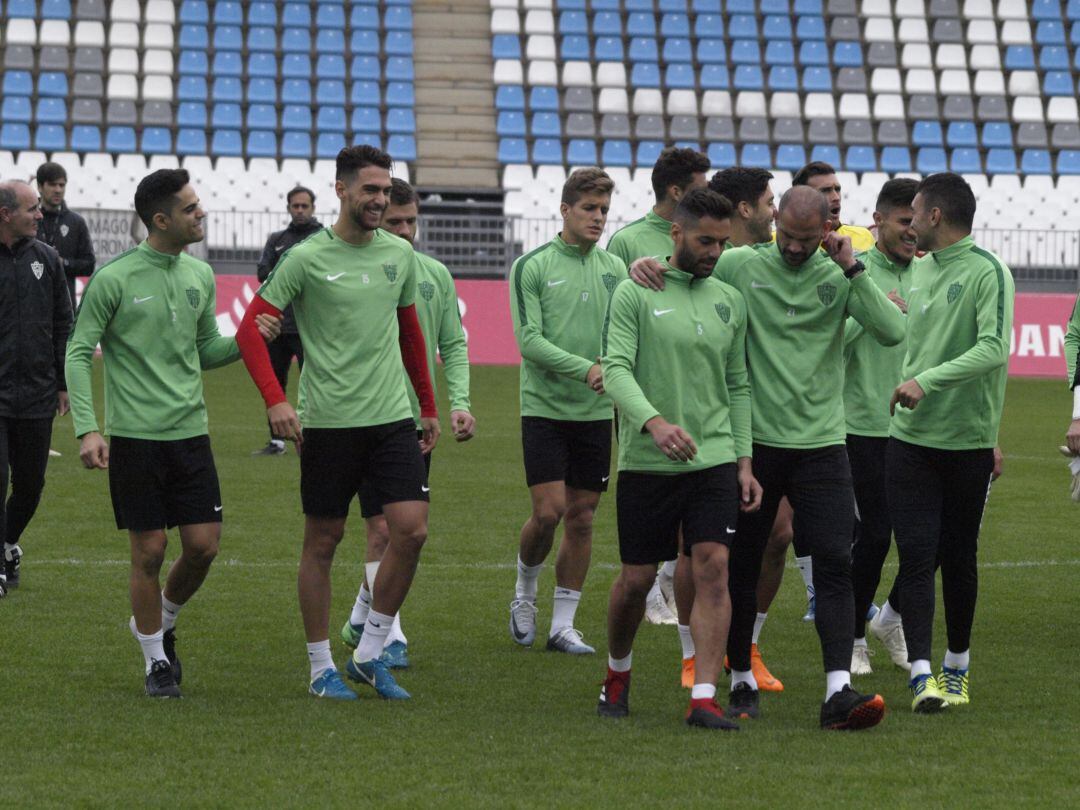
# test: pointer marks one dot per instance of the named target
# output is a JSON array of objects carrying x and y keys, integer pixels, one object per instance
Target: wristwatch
[{"x": 854, "y": 270}]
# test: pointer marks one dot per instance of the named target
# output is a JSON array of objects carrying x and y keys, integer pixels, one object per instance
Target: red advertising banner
[{"x": 1037, "y": 338}]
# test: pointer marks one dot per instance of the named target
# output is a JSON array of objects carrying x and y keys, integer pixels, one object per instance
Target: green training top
[
  {"x": 648, "y": 236},
  {"x": 154, "y": 316},
  {"x": 795, "y": 340},
  {"x": 1072, "y": 346},
  {"x": 960, "y": 313},
  {"x": 345, "y": 298},
  {"x": 679, "y": 353},
  {"x": 558, "y": 302},
  {"x": 440, "y": 321},
  {"x": 872, "y": 371}
]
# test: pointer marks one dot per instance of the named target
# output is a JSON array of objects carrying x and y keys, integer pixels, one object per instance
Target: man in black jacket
[
  {"x": 61, "y": 227},
  {"x": 301, "y": 207},
  {"x": 35, "y": 320}
]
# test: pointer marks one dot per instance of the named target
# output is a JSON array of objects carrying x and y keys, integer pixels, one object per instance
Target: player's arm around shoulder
[{"x": 732, "y": 262}]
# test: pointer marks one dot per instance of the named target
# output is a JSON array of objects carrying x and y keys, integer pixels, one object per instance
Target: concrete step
[
  {"x": 457, "y": 123},
  {"x": 456, "y": 177}
]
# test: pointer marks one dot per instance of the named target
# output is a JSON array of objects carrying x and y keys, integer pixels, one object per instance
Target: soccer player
[
  {"x": 35, "y": 320},
  {"x": 872, "y": 371},
  {"x": 61, "y": 227},
  {"x": 558, "y": 301},
  {"x": 676, "y": 172},
  {"x": 1072, "y": 364},
  {"x": 353, "y": 287},
  {"x": 152, "y": 309},
  {"x": 820, "y": 176},
  {"x": 675, "y": 364},
  {"x": 440, "y": 320},
  {"x": 940, "y": 457},
  {"x": 798, "y": 298},
  {"x": 300, "y": 203}
]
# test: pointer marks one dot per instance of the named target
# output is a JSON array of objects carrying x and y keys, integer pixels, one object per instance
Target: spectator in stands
[
  {"x": 61, "y": 227},
  {"x": 35, "y": 320},
  {"x": 821, "y": 176},
  {"x": 300, "y": 203}
]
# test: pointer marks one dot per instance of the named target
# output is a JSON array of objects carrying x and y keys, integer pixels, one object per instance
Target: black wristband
[{"x": 854, "y": 270}]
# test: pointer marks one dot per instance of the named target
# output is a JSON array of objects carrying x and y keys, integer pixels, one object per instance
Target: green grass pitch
[{"x": 490, "y": 723}]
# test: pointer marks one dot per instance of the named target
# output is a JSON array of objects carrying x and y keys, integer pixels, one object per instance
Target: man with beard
[
  {"x": 61, "y": 227},
  {"x": 820, "y": 176}
]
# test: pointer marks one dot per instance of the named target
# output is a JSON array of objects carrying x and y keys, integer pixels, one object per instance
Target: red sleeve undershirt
[{"x": 414, "y": 356}]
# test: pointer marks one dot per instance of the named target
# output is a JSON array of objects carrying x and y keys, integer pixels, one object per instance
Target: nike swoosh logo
[
  {"x": 142, "y": 300},
  {"x": 217, "y": 508},
  {"x": 757, "y": 286},
  {"x": 658, "y": 312},
  {"x": 425, "y": 489},
  {"x": 729, "y": 531},
  {"x": 556, "y": 283},
  {"x": 604, "y": 479},
  {"x": 279, "y": 248},
  {"x": 334, "y": 278},
  {"x": 321, "y": 692},
  {"x": 913, "y": 289}
]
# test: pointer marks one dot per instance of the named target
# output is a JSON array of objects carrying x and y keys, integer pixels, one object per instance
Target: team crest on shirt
[
  {"x": 826, "y": 293},
  {"x": 954, "y": 292},
  {"x": 610, "y": 281},
  {"x": 427, "y": 290},
  {"x": 64, "y": 230},
  {"x": 724, "y": 311},
  {"x": 391, "y": 272},
  {"x": 38, "y": 268},
  {"x": 193, "y": 297}
]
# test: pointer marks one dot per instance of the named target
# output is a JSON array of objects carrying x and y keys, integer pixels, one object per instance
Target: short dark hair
[
  {"x": 157, "y": 192},
  {"x": 590, "y": 180},
  {"x": 50, "y": 173},
  {"x": 814, "y": 169},
  {"x": 401, "y": 193},
  {"x": 352, "y": 159},
  {"x": 897, "y": 193},
  {"x": 677, "y": 167},
  {"x": 951, "y": 193},
  {"x": 299, "y": 190},
  {"x": 699, "y": 203},
  {"x": 741, "y": 184}
]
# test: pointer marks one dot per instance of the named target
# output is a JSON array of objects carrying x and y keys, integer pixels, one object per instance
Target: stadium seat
[
  {"x": 155, "y": 141},
  {"x": 86, "y": 111},
  {"x": 226, "y": 116},
  {"x": 225, "y": 89},
  {"x": 965, "y": 161},
  {"x": 926, "y": 133},
  {"x": 860, "y": 159},
  {"x": 227, "y": 38},
  {"x": 813, "y": 53},
  {"x": 547, "y": 151},
  {"x": 512, "y": 150},
  {"x": 399, "y": 69},
  {"x": 790, "y": 157},
  {"x": 616, "y": 153},
  {"x": 261, "y": 39},
  {"x": 14, "y": 137},
  {"x": 581, "y": 152},
  {"x": 402, "y": 147},
  {"x": 50, "y": 138},
  {"x": 930, "y": 159},
  {"x": 51, "y": 111},
  {"x": 261, "y": 143},
  {"x": 17, "y": 109},
  {"x": 1001, "y": 161},
  {"x": 120, "y": 139},
  {"x": 226, "y": 143},
  {"x": 296, "y": 91},
  {"x": 262, "y": 91},
  {"x": 720, "y": 154},
  {"x": 895, "y": 159},
  {"x": 195, "y": 37},
  {"x": 367, "y": 119},
  {"x": 194, "y": 63},
  {"x": 227, "y": 63},
  {"x": 191, "y": 114},
  {"x": 330, "y": 41},
  {"x": 296, "y": 145},
  {"x": 1068, "y": 162}
]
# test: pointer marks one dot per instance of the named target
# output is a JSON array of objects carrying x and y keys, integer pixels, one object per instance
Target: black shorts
[
  {"x": 336, "y": 462},
  {"x": 161, "y": 484},
  {"x": 651, "y": 508},
  {"x": 370, "y": 504},
  {"x": 577, "y": 453}
]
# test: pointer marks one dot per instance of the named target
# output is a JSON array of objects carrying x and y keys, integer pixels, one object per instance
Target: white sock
[
  {"x": 169, "y": 610},
  {"x": 888, "y": 615},
  {"x": 957, "y": 660},
  {"x": 743, "y": 677},
  {"x": 619, "y": 664},
  {"x": 759, "y": 622},
  {"x": 563, "y": 609},
  {"x": 152, "y": 648},
  {"x": 806, "y": 568},
  {"x": 395, "y": 632},
  {"x": 836, "y": 680},
  {"x": 667, "y": 570},
  {"x": 920, "y": 667},
  {"x": 703, "y": 691},
  {"x": 376, "y": 629},
  {"x": 686, "y": 640},
  {"x": 371, "y": 570},
  {"x": 278, "y": 443},
  {"x": 318, "y": 654},
  {"x": 527, "y": 575},
  {"x": 860, "y": 642},
  {"x": 653, "y": 591},
  {"x": 361, "y": 607}
]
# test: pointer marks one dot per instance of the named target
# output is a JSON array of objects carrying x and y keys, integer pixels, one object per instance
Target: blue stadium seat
[
  {"x": 191, "y": 114},
  {"x": 226, "y": 143},
  {"x": 648, "y": 152},
  {"x": 366, "y": 119},
  {"x": 740, "y": 6},
  {"x": 227, "y": 63},
  {"x": 608, "y": 49},
  {"x": 507, "y": 97},
  {"x": 364, "y": 43},
  {"x": 52, "y": 84},
  {"x": 807, "y": 7},
  {"x": 756, "y": 155},
  {"x": 576, "y": 48},
  {"x": 860, "y": 159},
  {"x": 745, "y": 52},
  {"x": 367, "y": 139},
  {"x": 775, "y": 7},
  {"x": 810, "y": 28},
  {"x": 644, "y": 49},
  {"x": 50, "y": 138},
  {"x": 120, "y": 139},
  {"x": 51, "y": 111},
  {"x": 510, "y": 124},
  {"x": 1046, "y": 10},
  {"x": 812, "y": 52},
  {"x": 722, "y": 154},
  {"x": 330, "y": 119},
  {"x": 398, "y": 43},
  {"x": 714, "y": 77},
  {"x": 364, "y": 68},
  {"x": 297, "y": 14},
  {"x": 965, "y": 161},
  {"x": 545, "y": 124},
  {"x": 156, "y": 141},
  {"x": 748, "y": 77},
  {"x": 368, "y": 94},
  {"x": 296, "y": 40},
  {"x": 194, "y": 36},
  {"x": 847, "y": 54},
  {"x": 742, "y": 26},
  {"x": 817, "y": 80},
  {"x": 508, "y": 46},
  {"x": 1068, "y": 161},
  {"x": 705, "y": 6},
  {"x": 226, "y": 116},
  {"x": 1052, "y": 57},
  {"x": 330, "y": 66},
  {"x": 790, "y": 157},
  {"x": 261, "y": 143},
  {"x": 547, "y": 151},
  {"x": 14, "y": 137},
  {"x": 678, "y": 50},
  {"x": 679, "y": 77},
  {"x": 1050, "y": 32},
  {"x": 513, "y": 150},
  {"x": 400, "y": 69},
  {"x": 672, "y": 6},
  {"x": 641, "y": 25},
  {"x": 54, "y": 10},
  {"x": 1072, "y": 10},
  {"x": 777, "y": 27},
  {"x": 365, "y": 18},
  {"x": 643, "y": 74},
  {"x": 295, "y": 66},
  {"x": 328, "y": 91},
  {"x": 783, "y": 78},
  {"x": 930, "y": 159},
  {"x": 297, "y": 117},
  {"x": 263, "y": 14},
  {"x": 228, "y": 13},
  {"x": 261, "y": 39},
  {"x": 638, "y": 5},
  {"x": 779, "y": 52},
  {"x": 926, "y": 133},
  {"x": 400, "y": 94},
  {"x": 573, "y": 22},
  {"x": 895, "y": 159},
  {"x": 607, "y": 24},
  {"x": 581, "y": 152},
  {"x": 570, "y": 5},
  {"x": 544, "y": 98},
  {"x": 826, "y": 154},
  {"x": 191, "y": 142},
  {"x": 22, "y": 8},
  {"x": 330, "y": 16},
  {"x": 1035, "y": 161},
  {"x": 191, "y": 88},
  {"x": 227, "y": 89},
  {"x": 398, "y": 19},
  {"x": 262, "y": 91},
  {"x": 193, "y": 63},
  {"x": 1058, "y": 83},
  {"x": 711, "y": 52},
  {"x": 16, "y": 108},
  {"x": 400, "y": 121},
  {"x": 997, "y": 134},
  {"x": 330, "y": 40},
  {"x": 262, "y": 65},
  {"x": 194, "y": 11},
  {"x": 709, "y": 26},
  {"x": 616, "y": 153},
  {"x": 675, "y": 25},
  {"x": 228, "y": 38},
  {"x": 402, "y": 147},
  {"x": 1019, "y": 57},
  {"x": 296, "y": 145},
  {"x": 1001, "y": 161},
  {"x": 961, "y": 133}
]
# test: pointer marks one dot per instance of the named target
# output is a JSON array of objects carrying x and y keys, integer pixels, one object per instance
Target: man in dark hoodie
[
  {"x": 62, "y": 228},
  {"x": 301, "y": 207}
]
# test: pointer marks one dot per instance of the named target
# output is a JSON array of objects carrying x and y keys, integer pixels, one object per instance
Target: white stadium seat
[
  {"x": 920, "y": 81},
  {"x": 55, "y": 32},
  {"x": 854, "y": 105},
  {"x": 978, "y": 10},
  {"x": 785, "y": 105},
  {"x": 913, "y": 30},
  {"x": 158, "y": 61},
  {"x": 915, "y": 55},
  {"x": 885, "y": 80},
  {"x": 540, "y": 46},
  {"x": 123, "y": 60},
  {"x": 819, "y": 105},
  {"x": 613, "y": 100},
  {"x": 985, "y": 56},
  {"x": 508, "y": 71},
  {"x": 124, "y": 10},
  {"x": 887, "y": 107},
  {"x": 989, "y": 83},
  {"x": 982, "y": 32},
  {"x": 610, "y": 74},
  {"x": 123, "y": 86},
  {"x": 1024, "y": 83},
  {"x": 574, "y": 74},
  {"x": 504, "y": 21},
  {"x": 951, "y": 56},
  {"x": 750, "y": 104},
  {"x": 158, "y": 36},
  {"x": 1016, "y": 32},
  {"x": 1062, "y": 110},
  {"x": 123, "y": 35},
  {"x": 539, "y": 22},
  {"x": 157, "y": 88},
  {"x": 1027, "y": 108},
  {"x": 89, "y": 34},
  {"x": 21, "y": 32},
  {"x": 713, "y": 102},
  {"x": 1012, "y": 10},
  {"x": 682, "y": 102},
  {"x": 955, "y": 82},
  {"x": 160, "y": 11},
  {"x": 910, "y": 8},
  {"x": 879, "y": 29}
]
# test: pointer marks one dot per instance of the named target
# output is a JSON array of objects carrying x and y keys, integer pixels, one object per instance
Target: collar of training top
[
  {"x": 156, "y": 257},
  {"x": 882, "y": 260},
  {"x": 570, "y": 250},
  {"x": 954, "y": 251}
]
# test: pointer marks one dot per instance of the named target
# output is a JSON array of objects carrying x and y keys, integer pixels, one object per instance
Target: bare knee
[
  {"x": 547, "y": 516},
  {"x": 636, "y": 581},
  {"x": 579, "y": 520},
  {"x": 321, "y": 540},
  {"x": 710, "y": 563},
  {"x": 148, "y": 552},
  {"x": 378, "y": 537}
]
